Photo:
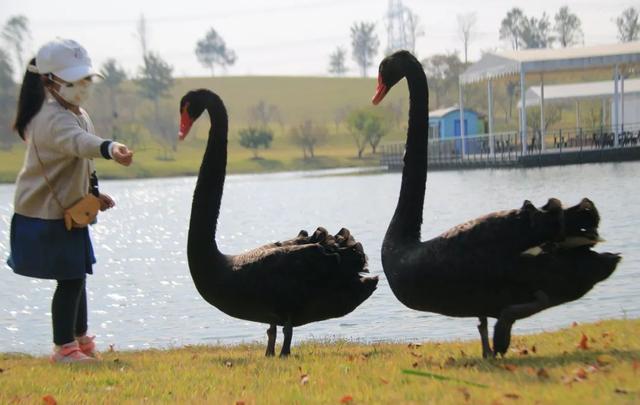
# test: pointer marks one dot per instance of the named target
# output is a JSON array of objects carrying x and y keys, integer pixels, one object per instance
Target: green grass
[{"x": 548, "y": 368}]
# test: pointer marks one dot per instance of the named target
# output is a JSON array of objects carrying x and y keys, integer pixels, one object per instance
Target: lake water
[{"x": 141, "y": 294}]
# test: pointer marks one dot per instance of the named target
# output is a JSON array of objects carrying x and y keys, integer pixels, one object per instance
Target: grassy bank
[{"x": 592, "y": 363}]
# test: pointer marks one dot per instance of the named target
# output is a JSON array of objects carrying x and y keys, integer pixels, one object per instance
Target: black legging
[{"x": 69, "y": 311}]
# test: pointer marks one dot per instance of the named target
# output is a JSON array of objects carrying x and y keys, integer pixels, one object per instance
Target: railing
[{"x": 505, "y": 149}]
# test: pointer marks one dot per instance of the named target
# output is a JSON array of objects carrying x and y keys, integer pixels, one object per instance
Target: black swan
[
  {"x": 506, "y": 265},
  {"x": 289, "y": 283}
]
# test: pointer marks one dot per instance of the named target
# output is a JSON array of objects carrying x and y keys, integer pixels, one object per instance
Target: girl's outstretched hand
[
  {"x": 121, "y": 154},
  {"x": 106, "y": 202}
]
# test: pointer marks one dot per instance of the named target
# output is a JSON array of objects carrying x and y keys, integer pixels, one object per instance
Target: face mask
[{"x": 75, "y": 93}]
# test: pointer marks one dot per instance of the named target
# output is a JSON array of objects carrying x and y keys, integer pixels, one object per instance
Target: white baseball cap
[{"x": 66, "y": 59}]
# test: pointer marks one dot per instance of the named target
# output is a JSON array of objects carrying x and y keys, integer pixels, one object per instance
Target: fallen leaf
[
  {"x": 382, "y": 380},
  {"x": 1, "y": 370},
  {"x": 543, "y": 374},
  {"x": 346, "y": 399},
  {"x": 512, "y": 396},
  {"x": 49, "y": 400},
  {"x": 415, "y": 364},
  {"x": 533, "y": 349},
  {"x": 466, "y": 393},
  {"x": 239, "y": 402},
  {"x": 621, "y": 391},
  {"x": 304, "y": 379},
  {"x": 584, "y": 342},
  {"x": 228, "y": 364},
  {"x": 580, "y": 373},
  {"x": 636, "y": 366},
  {"x": 510, "y": 367}
]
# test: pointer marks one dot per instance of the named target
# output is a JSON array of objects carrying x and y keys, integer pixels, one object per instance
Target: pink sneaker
[
  {"x": 69, "y": 353},
  {"x": 87, "y": 345}
]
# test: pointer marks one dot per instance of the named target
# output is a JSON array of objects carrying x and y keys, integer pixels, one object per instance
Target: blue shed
[{"x": 445, "y": 124}]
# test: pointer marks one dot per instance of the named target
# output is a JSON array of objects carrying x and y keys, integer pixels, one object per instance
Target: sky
[{"x": 279, "y": 37}]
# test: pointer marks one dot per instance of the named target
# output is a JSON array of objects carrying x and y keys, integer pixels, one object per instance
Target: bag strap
[{"x": 44, "y": 174}]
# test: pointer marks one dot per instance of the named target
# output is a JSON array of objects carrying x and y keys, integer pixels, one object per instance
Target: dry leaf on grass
[
  {"x": 543, "y": 374},
  {"x": 466, "y": 393},
  {"x": 228, "y": 364},
  {"x": 49, "y": 400},
  {"x": 621, "y": 391},
  {"x": 239, "y": 402},
  {"x": 584, "y": 342},
  {"x": 382, "y": 380},
  {"x": 512, "y": 395},
  {"x": 510, "y": 367},
  {"x": 347, "y": 399},
  {"x": 304, "y": 379}
]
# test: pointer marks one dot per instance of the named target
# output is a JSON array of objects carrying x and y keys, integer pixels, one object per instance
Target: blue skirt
[{"x": 43, "y": 248}]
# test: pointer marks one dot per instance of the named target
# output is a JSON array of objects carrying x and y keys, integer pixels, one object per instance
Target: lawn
[{"x": 584, "y": 364}]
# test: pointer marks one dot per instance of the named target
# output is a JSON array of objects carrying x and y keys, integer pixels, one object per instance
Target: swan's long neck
[
  {"x": 407, "y": 219},
  {"x": 207, "y": 196}
]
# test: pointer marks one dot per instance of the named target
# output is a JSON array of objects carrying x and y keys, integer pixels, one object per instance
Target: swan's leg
[
  {"x": 271, "y": 343},
  {"x": 484, "y": 338},
  {"x": 508, "y": 316},
  {"x": 287, "y": 330}
]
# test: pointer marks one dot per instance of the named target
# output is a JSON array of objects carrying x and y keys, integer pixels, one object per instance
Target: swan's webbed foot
[
  {"x": 508, "y": 316},
  {"x": 287, "y": 330},
  {"x": 484, "y": 338},
  {"x": 271, "y": 343}
]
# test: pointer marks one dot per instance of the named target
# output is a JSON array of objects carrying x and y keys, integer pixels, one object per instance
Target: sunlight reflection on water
[{"x": 142, "y": 295}]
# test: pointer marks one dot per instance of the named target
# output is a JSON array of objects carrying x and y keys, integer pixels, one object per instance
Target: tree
[
  {"x": 308, "y": 136},
  {"x": 414, "y": 29},
  {"x": 443, "y": 71},
  {"x": 511, "y": 27},
  {"x": 263, "y": 114},
  {"x": 7, "y": 100},
  {"x": 113, "y": 78},
  {"x": 142, "y": 33},
  {"x": 212, "y": 50},
  {"x": 364, "y": 43},
  {"x": 337, "y": 62},
  {"x": 154, "y": 83},
  {"x": 253, "y": 138},
  {"x": 15, "y": 33},
  {"x": 567, "y": 27},
  {"x": 628, "y": 25},
  {"x": 466, "y": 26},
  {"x": 367, "y": 127},
  {"x": 551, "y": 116},
  {"x": 536, "y": 33}
]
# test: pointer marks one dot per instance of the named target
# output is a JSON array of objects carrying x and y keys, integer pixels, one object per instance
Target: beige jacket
[{"x": 66, "y": 144}]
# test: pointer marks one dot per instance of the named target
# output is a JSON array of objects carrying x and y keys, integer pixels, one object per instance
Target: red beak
[
  {"x": 381, "y": 91},
  {"x": 185, "y": 124}
]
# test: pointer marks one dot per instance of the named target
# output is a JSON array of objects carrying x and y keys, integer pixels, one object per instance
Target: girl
[{"x": 57, "y": 172}]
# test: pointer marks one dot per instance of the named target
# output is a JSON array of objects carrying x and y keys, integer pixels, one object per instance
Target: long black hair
[{"x": 31, "y": 99}]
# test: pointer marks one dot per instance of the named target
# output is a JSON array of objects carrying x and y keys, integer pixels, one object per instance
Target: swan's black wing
[{"x": 310, "y": 281}]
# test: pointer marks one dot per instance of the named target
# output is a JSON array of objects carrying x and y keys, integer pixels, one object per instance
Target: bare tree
[
  {"x": 628, "y": 25},
  {"x": 15, "y": 33},
  {"x": 365, "y": 44},
  {"x": 308, "y": 136},
  {"x": 142, "y": 34},
  {"x": 443, "y": 71},
  {"x": 511, "y": 27},
  {"x": 337, "y": 62},
  {"x": 212, "y": 50},
  {"x": 414, "y": 29},
  {"x": 113, "y": 78},
  {"x": 466, "y": 26},
  {"x": 567, "y": 27},
  {"x": 263, "y": 114}
]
